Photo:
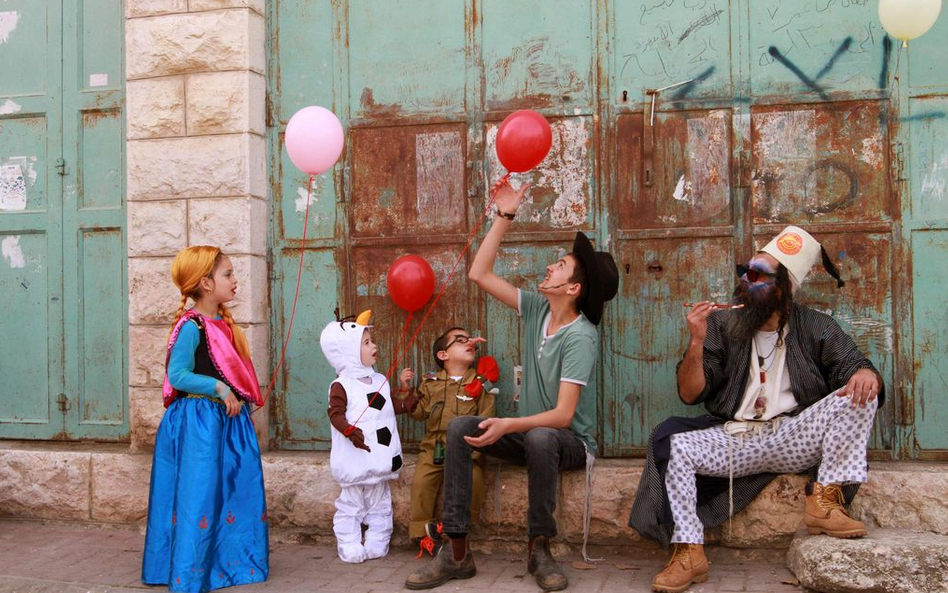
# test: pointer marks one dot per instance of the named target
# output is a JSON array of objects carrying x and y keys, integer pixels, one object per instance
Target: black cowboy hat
[{"x": 602, "y": 277}]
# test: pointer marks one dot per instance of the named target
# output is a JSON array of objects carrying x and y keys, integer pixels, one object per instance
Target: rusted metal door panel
[
  {"x": 820, "y": 163},
  {"x": 406, "y": 57},
  {"x": 691, "y": 164},
  {"x": 815, "y": 46},
  {"x": 930, "y": 277},
  {"x": 369, "y": 266},
  {"x": 657, "y": 44},
  {"x": 561, "y": 194},
  {"x": 647, "y": 331},
  {"x": 531, "y": 62},
  {"x": 863, "y": 308},
  {"x": 408, "y": 180}
]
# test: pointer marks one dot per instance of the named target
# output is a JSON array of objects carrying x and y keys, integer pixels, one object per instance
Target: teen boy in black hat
[{"x": 555, "y": 429}]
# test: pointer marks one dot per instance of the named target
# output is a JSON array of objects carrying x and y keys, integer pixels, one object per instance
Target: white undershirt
[{"x": 777, "y": 397}]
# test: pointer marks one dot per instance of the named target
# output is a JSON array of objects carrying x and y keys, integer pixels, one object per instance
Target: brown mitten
[{"x": 354, "y": 434}]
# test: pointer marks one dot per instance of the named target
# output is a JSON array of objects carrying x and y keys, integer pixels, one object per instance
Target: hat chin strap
[{"x": 830, "y": 267}]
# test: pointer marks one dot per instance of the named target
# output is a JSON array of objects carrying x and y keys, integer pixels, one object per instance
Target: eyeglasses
[
  {"x": 459, "y": 340},
  {"x": 752, "y": 274}
]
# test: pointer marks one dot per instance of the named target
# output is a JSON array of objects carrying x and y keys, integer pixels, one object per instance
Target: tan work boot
[
  {"x": 442, "y": 569},
  {"x": 687, "y": 565},
  {"x": 542, "y": 565},
  {"x": 825, "y": 512}
]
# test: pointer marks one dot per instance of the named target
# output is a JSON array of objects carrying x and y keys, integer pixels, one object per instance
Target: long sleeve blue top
[{"x": 181, "y": 373}]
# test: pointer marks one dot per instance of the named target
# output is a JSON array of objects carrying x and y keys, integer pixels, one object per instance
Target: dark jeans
[{"x": 545, "y": 451}]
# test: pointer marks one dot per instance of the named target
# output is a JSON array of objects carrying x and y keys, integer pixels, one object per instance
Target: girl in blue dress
[{"x": 207, "y": 516}]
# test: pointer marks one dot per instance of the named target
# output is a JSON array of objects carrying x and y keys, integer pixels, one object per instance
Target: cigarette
[{"x": 716, "y": 305}]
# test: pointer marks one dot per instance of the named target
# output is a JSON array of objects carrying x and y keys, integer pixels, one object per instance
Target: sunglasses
[
  {"x": 459, "y": 340},
  {"x": 752, "y": 274}
]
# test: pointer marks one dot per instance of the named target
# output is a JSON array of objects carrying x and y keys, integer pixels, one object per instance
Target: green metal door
[
  {"x": 62, "y": 219},
  {"x": 685, "y": 136},
  {"x": 924, "y": 100}
]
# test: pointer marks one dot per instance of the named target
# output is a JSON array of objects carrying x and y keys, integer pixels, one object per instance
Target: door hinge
[
  {"x": 61, "y": 167},
  {"x": 63, "y": 402}
]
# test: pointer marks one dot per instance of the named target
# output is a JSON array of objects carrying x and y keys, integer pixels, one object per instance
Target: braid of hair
[
  {"x": 240, "y": 339},
  {"x": 179, "y": 313}
]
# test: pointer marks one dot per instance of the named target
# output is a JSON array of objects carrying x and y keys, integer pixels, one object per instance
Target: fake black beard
[{"x": 742, "y": 324}]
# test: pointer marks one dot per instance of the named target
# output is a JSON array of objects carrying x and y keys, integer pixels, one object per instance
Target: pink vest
[{"x": 238, "y": 372}]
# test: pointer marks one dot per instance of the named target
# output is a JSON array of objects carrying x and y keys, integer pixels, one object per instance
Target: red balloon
[
  {"x": 411, "y": 282},
  {"x": 523, "y": 140}
]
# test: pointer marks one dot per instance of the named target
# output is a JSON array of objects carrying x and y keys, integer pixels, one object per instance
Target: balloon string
[
  {"x": 299, "y": 277},
  {"x": 398, "y": 352},
  {"x": 391, "y": 368}
]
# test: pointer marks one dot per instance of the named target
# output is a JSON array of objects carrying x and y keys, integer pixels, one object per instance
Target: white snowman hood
[{"x": 341, "y": 342}]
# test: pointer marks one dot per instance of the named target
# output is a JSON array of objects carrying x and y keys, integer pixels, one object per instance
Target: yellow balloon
[{"x": 907, "y": 19}]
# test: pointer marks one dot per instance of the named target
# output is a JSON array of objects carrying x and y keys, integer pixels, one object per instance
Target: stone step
[
  {"x": 885, "y": 560},
  {"x": 109, "y": 484}
]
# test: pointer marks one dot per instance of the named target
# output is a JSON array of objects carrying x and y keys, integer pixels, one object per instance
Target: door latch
[
  {"x": 63, "y": 402},
  {"x": 61, "y": 167}
]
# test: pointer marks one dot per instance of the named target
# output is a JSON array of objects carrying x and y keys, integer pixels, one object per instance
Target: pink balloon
[{"x": 314, "y": 139}]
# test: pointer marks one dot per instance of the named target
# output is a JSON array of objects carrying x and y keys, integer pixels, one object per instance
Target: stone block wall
[{"x": 196, "y": 132}]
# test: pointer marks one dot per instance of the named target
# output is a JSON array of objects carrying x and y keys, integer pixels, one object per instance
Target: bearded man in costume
[{"x": 787, "y": 390}]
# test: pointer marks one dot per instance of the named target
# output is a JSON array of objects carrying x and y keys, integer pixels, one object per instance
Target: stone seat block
[{"x": 885, "y": 560}]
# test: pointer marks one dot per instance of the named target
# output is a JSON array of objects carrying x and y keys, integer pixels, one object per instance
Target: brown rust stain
[
  {"x": 370, "y": 107},
  {"x": 823, "y": 162}
]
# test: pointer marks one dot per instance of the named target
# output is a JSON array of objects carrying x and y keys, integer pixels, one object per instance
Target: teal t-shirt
[{"x": 568, "y": 355}]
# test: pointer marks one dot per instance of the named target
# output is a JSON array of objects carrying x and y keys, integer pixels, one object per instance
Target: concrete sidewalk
[{"x": 72, "y": 558}]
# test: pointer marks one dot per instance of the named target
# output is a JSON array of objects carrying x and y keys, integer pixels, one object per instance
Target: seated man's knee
[
  {"x": 463, "y": 426},
  {"x": 540, "y": 439}
]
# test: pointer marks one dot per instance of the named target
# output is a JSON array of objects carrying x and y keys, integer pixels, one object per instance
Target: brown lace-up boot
[
  {"x": 825, "y": 512},
  {"x": 687, "y": 565},
  {"x": 542, "y": 565},
  {"x": 444, "y": 567}
]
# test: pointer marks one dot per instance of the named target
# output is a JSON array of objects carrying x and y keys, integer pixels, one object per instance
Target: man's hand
[
  {"x": 862, "y": 388},
  {"x": 358, "y": 439},
  {"x": 698, "y": 321},
  {"x": 508, "y": 199},
  {"x": 493, "y": 429},
  {"x": 405, "y": 378}
]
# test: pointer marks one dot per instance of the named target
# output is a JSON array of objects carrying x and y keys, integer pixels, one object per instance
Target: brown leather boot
[
  {"x": 542, "y": 565},
  {"x": 442, "y": 569},
  {"x": 687, "y": 565},
  {"x": 825, "y": 512}
]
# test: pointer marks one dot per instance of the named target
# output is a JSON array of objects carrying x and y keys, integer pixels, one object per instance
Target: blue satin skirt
[{"x": 207, "y": 512}]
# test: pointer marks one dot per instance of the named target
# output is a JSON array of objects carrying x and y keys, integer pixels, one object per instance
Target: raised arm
[
  {"x": 482, "y": 268},
  {"x": 691, "y": 379}
]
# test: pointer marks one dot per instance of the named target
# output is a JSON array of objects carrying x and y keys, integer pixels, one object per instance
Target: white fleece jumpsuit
[{"x": 363, "y": 475}]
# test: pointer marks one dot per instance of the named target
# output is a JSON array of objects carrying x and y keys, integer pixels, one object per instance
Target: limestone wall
[{"x": 196, "y": 92}]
